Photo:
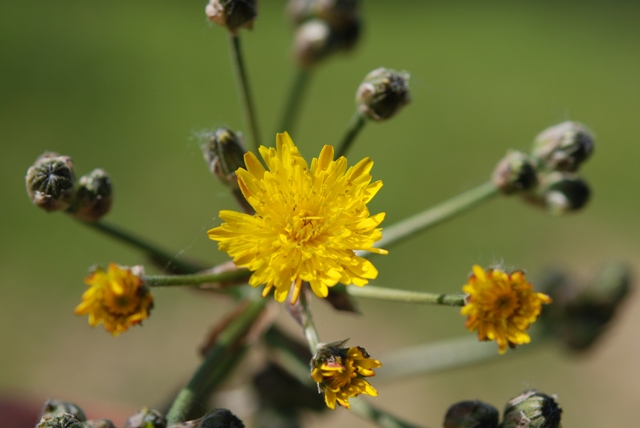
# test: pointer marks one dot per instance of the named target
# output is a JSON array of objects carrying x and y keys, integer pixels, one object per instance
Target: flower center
[
  {"x": 340, "y": 379},
  {"x": 505, "y": 305},
  {"x": 304, "y": 227}
]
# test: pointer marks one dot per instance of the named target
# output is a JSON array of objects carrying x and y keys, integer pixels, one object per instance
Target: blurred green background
[{"x": 127, "y": 86}]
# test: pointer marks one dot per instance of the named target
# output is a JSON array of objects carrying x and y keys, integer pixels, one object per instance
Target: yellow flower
[
  {"x": 308, "y": 223},
  {"x": 117, "y": 298},
  {"x": 341, "y": 372},
  {"x": 501, "y": 306}
]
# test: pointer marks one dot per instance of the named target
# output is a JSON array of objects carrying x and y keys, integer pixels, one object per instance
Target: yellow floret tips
[
  {"x": 501, "y": 306},
  {"x": 117, "y": 298},
  {"x": 341, "y": 373},
  {"x": 308, "y": 222}
]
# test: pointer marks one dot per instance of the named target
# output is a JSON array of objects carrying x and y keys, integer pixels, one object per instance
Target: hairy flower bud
[
  {"x": 94, "y": 196},
  {"x": 382, "y": 93},
  {"x": 532, "y": 409},
  {"x": 338, "y": 13},
  {"x": 312, "y": 42},
  {"x": 514, "y": 173},
  {"x": 55, "y": 407},
  {"x": 471, "y": 414},
  {"x": 61, "y": 420},
  {"x": 224, "y": 152},
  {"x": 232, "y": 14},
  {"x": 564, "y": 193},
  {"x": 220, "y": 418},
  {"x": 300, "y": 10},
  {"x": 146, "y": 418},
  {"x": 564, "y": 147},
  {"x": 51, "y": 182}
]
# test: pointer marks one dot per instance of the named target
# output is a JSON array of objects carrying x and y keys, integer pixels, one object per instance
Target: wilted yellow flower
[
  {"x": 117, "y": 298},
  {"x": 501, "y": 306},
  {"x": 341, "y": 373},
  {"x": 308, "y": 222}
]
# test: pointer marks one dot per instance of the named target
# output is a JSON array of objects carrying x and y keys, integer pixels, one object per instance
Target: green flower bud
[
  {"x": 94, "y": 196},
  {"x": 224, "y": 152},
  {"x": 99, "y": 423},
  {"x": 312, "y": 42},
  {"x": 471, "y": 414},
  {"x": 564, "y": 147},
  {"x": 514, "y": 173},
  {"x": 61, "y": 420},
  {"x": 220, "y": 418},
  {"x": 51, "y": 181},
  {"x": 232, "y": 14},
  {"x": 55, "y": 407},
  {"x": 532, "y": 409},
  {"x": 382, "y": 93},
  {"x": 146, "y": 418},
  {"x": 564, "y": 193}
]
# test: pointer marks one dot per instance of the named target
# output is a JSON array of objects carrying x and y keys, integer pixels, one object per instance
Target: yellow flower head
[
  {"x": 117, "y": 298},
  {"x": 341, "y": 373},
  {"x": 501, "y": 306},
  {"x": 308, "y": 222}
]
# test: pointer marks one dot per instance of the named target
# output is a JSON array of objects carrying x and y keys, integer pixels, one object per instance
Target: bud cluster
[
  {"x": 52, "y": 186},
  {"x": 547, "y": 177},
  {"x": 530, "y": 409},
  {"x": 323, "y": 27}
]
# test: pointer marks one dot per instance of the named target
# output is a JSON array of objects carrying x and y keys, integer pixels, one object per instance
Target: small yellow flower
[
  {"x": 501, "y": 306},
  {"x": 308, "y": 222},
  {"x": 117, "y": 298},
  {"x": 341, "y": 373}
]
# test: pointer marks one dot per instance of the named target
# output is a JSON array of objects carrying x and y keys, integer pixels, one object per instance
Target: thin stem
[
  {"x": 227, "y": 346},
  {"x": 310, "y": 332},
  {"x": 293, "y": 106},
  {"x": 164, "y": 259},
  {"x": 392, "y": 295},
  {"x": 245, "y": 91},
  {"x": 444, "y": 211},
  {"x": 445, "y": 355},
  {"x": 380, "y": 417},
  {"x": 353, "y": 129},
  {"x": 196, "y": 279}
]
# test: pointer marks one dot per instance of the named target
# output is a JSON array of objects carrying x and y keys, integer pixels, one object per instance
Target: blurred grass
[{"x": 126, "y": 86}]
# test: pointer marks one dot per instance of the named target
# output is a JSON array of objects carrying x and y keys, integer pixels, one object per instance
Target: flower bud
[
  {"x": 338, "y": 13},
  {"x": 94, "y": 196},
  {"x": 532, "y": 409},
  {"x": 224, "y": 152},
  {"x": 99, "y": 423},
  {"x": 382, "y": 93},
  {"x": 471, "y": 414},
  {"x": 51, "y": 181},
  {"x": 55, "y": 407},
  {"x": 232, "y": 14},
  {"x": 61, "y": 420},
  {"x": 300, "y": 10},
  {"x": 564, "y": 193},
  {"x": 220, "y": 418},
  {"x": 312, "y": 42},
  {"x": 146, "y": 418},
  {"x": 514, "y": 173},
  {"x": 564, "y": 147}
]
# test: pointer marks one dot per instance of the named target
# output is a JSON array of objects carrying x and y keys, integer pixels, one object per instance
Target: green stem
[
  {"x": 164, "y": 259},
  {"x": 293, "y": 106},
  {"x": 245, "y": 91},
  {"x": 445, "y": 355},
  {"x": 353, "y": 129},
  {"x": 392, "y": 295},
  {"x": 380, "y": 417},
  {"x": 227, "y": 346},
  {"x": 196, "y": 279},
  {"x": 444, "y": 211},
  {"x": 310, "y": 332}
]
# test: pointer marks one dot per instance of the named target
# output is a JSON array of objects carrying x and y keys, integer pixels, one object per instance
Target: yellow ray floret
[
  {"x": 501, "y": 306},
  {"x": 308, "y": 222}
]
